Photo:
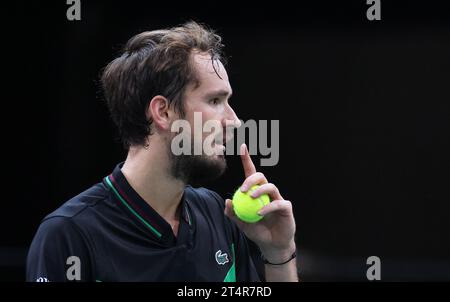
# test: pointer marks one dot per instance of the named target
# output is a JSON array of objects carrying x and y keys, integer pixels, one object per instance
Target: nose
[{"x": 231, "y": 119}]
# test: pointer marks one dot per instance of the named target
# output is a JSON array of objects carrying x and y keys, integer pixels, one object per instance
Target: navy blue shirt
[{"x": 109, "y": 233}]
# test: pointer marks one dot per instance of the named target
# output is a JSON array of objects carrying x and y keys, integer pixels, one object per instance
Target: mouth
[
  {"x": 228, "y": 135},
  {"x": 220, "y": 145},
  {"x": 220, "y": 148}
]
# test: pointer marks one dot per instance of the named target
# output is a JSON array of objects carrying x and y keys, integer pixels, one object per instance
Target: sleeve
[
  {"x": 58, "y": 253},
  {"x": 249, "y": 266}
]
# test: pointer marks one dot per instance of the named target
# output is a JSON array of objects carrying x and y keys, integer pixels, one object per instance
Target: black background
[{"x": 363, "y": 108}]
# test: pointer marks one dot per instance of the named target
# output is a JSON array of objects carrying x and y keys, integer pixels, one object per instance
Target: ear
[{"x": 160, "y": 113}]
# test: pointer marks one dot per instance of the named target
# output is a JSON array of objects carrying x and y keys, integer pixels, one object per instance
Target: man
[{"x": 144, "y": 222}]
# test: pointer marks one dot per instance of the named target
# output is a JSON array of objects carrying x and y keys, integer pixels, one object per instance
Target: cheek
[
  {"x": 211, "y": 115},
  {"x": 207, "y": 111}
]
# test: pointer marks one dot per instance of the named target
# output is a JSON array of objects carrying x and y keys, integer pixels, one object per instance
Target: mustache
[{"x": 225, "y": 135}]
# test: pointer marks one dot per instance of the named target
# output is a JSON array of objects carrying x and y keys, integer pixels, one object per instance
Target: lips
[
  {"x": 229, "y": 135},
  {"x": 221, "y": 141}
]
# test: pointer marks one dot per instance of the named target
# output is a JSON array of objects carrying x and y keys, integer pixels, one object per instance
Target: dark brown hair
[{"x": 154, "y": 63}]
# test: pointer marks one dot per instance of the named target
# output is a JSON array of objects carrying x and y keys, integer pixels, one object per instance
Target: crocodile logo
[{"x": 221, "y": 258}]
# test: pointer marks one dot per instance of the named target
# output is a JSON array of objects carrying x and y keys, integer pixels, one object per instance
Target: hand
[{"x": 274, "y": 234}]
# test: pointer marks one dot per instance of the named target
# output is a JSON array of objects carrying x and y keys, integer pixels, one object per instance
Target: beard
[{"x": 197, "y": 170}]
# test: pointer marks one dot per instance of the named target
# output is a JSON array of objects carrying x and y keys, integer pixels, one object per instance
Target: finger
[
  {"x": 269, "y": 189},
  {"x": 255, "y": 179},
  {"x": 247, "y": 163},
  {"x": 282, "y": 207},
  {"x": 229, "y": 208}
]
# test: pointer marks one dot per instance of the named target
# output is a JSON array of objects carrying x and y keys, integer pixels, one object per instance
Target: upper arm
[{"x": 58, "y": 252}]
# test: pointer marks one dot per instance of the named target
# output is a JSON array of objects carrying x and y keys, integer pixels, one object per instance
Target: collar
[{"x": 140, "y": 210}]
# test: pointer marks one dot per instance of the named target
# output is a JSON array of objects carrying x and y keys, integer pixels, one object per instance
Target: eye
[{"x": 215, "y": 101}]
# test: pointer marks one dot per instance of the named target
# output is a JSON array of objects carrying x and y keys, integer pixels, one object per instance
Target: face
[{"x": 206, "y": 103}]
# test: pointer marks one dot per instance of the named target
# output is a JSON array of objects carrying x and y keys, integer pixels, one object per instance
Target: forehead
[{"x": 211, "y": 74}]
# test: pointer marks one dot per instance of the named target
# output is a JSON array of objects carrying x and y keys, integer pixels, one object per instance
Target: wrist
[{"x": 279, "y": 256}]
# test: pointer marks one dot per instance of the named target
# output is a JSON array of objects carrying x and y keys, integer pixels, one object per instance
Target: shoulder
[
  {"x": 56, "y": 230},
  {"x": 75, "y": 214},
  {"x": 66, "y": 227},
  {"x": 81, "y": 202},
  {"x": 56, "y": 241}
]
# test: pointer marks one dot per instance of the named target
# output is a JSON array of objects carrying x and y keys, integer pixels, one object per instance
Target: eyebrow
[{"x": 219, "y": 93}]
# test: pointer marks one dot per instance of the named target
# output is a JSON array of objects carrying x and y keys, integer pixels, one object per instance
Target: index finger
[{"x": 247, "y": 163}]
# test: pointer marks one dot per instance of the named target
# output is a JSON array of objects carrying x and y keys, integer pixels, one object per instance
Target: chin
[
  {"x": 215, "y": 160},
  {"x": 198, "y": 170}
]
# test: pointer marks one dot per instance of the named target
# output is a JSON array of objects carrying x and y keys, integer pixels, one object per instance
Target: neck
[{"x": 148, "y": 173}]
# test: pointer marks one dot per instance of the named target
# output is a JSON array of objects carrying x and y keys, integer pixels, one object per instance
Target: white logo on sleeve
[
  {"x": 42, "y": 279},
  {"x": 221, "y": 258}
]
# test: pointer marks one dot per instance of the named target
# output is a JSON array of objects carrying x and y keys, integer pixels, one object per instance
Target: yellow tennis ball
[{"x": 246, "y": 208}]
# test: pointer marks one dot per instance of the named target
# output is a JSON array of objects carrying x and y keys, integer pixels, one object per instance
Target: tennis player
[{"x": 150, "y": 220}]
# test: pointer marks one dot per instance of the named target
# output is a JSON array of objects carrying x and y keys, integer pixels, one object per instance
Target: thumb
[{"x": 229, "y": 212}]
